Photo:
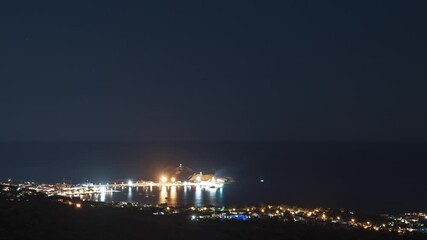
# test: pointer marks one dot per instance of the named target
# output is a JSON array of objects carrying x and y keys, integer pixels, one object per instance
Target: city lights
[{"x": 402, "y": 223}]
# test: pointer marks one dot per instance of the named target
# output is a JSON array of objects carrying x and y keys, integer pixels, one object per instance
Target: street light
[{"x": 163, "y": 179}]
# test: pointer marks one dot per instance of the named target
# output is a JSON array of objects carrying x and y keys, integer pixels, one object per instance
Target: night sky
[{"x": 213, "y": 70}]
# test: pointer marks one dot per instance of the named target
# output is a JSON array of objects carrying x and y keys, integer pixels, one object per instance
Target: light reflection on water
[
  {"x": 130, "y": 194},
  {"x": 163, "y": 195},
  {"x": 173, "y": 195},
  {"x": 102, "y": 196},
  {"x": 198, "y": 196}
]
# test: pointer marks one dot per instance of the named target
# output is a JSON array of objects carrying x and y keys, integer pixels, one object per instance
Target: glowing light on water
[
  {"x": 102, "y": 197},
  {"x": 198, "y": 199},
  {"x": 172, "y": 198},
  {"x": 163, "y": 196},
  {"x": 130, "y": 194}
]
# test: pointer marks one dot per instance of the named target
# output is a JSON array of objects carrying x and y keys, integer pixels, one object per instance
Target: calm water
[
  {"x": 174, "y": 196},
  {"x": 231, "y": 194},
  {"x": 373, "y": 177}
]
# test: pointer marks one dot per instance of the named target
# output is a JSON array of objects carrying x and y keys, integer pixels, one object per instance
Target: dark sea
[{"x": 370, "y": 177}]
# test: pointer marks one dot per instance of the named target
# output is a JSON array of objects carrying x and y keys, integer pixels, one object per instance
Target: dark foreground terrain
[{"x": 44, "y": 219}]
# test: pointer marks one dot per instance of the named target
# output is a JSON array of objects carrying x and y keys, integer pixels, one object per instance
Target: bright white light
[
  {"x": 130, "y": 183},
  {"x": 164, "y": 179}
]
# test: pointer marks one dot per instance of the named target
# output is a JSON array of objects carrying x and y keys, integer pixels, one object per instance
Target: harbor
[{"x": 180, "y": 176}]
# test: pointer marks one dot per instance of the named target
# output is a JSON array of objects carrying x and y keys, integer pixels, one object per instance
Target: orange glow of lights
[{"x": 163, "y": 179}]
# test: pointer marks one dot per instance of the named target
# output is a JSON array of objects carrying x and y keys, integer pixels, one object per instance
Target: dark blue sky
[{"x": 213, "y": 70}]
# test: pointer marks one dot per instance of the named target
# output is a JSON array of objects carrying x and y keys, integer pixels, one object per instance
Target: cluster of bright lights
[{"x": 164, "y": 179}]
